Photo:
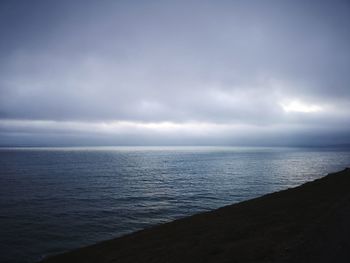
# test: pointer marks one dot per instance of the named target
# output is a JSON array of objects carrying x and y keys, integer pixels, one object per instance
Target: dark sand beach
[{"x": 309, "y": 223}]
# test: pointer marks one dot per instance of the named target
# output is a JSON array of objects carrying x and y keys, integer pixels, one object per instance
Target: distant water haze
[
  {"x": 203, "y": 76},
  {"x": 57, "y": 199}
]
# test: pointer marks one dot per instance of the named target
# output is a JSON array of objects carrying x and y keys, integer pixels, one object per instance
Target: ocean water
[{"x": 56, "y": 199}]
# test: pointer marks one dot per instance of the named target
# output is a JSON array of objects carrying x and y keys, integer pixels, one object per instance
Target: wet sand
[{"x": 309, "y": 223}]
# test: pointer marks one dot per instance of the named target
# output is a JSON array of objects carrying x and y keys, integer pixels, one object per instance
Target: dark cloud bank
[{"x": 174, "y": 72}]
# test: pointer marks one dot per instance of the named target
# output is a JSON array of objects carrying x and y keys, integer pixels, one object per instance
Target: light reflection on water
[{"x": 55, "y": 199}]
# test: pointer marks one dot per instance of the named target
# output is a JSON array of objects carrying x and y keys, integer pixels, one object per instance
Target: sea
[{"x": 56, "y": 199}]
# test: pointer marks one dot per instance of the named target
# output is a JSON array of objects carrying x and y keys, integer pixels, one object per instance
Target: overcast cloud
[{"x": 174, "y": 72}]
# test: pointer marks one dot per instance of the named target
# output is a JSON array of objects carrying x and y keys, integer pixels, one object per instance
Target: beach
[{"x": 308, "y": 223}]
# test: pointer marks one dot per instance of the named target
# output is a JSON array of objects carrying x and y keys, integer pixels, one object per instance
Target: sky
[{"x": 254, "y": 73}]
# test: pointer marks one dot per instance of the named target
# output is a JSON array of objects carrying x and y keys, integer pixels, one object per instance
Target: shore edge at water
[{"x": 308, "y": 223}]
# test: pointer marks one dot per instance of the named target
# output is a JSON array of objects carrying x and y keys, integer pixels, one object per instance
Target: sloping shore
[{"x": 309, "y": 223}]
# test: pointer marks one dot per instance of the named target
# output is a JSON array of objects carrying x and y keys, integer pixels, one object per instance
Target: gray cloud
[{"x": 213, "y": 63}]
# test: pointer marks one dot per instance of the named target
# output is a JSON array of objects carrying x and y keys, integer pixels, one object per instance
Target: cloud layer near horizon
[{"x": 177, "y": 72}]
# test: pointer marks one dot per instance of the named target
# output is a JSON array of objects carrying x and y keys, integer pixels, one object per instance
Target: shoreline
[{"x": 308, "y": 223}]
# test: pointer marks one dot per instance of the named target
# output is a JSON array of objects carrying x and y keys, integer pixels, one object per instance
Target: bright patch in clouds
[
  {"x": 298, "y": 106},
  {"x": 158, "y": 73}
]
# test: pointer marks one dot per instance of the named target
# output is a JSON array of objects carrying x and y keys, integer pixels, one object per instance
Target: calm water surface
[{"x": 56, "y": 199}]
